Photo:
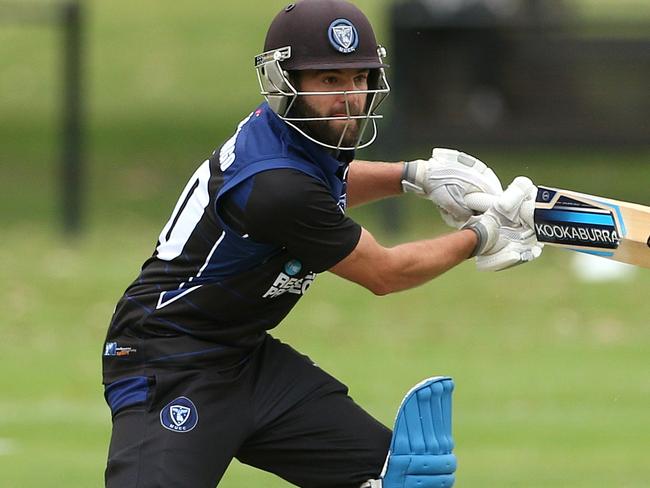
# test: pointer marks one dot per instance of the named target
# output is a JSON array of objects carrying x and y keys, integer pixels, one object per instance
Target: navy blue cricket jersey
[{"x": 246, "y": 239}]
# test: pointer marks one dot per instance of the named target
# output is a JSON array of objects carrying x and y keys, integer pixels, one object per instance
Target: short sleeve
[{"x": 291, "y": 209}]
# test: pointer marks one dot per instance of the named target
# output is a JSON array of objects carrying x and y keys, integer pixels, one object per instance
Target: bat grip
[{"x": 481, "y": 202}]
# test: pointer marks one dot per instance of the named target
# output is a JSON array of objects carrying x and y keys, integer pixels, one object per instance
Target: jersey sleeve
[{"x": 288, "y": 208}]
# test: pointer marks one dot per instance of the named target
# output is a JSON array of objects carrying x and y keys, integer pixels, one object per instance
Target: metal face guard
[{"x": 281, "y": 96}]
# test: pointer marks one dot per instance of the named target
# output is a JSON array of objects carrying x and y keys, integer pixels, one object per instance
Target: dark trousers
[{"x": 278, "y": 412}]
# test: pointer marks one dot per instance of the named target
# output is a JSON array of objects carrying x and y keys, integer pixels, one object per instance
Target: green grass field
[{"x": 552, "y": 374}]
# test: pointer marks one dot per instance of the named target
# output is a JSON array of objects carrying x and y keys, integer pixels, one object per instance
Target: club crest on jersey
[
  {"x": 180, "y": 415},
  {"x": 343, "y": 36},
  {"x": 293, "y": 267}
]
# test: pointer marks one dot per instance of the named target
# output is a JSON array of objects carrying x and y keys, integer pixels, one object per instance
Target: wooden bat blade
[
  {"x": 585, "y": 223},
  {"x": 595, "y": 225}
]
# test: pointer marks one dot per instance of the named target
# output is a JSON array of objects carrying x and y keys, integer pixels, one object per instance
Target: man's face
[{"x": 330, "y": 131}]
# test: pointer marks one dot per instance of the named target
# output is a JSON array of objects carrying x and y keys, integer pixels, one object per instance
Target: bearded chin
[{"x": 323, "y": 130}]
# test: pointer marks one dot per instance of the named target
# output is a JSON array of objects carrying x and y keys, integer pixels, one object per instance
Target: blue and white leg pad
[{"x": 420, "y": 453}]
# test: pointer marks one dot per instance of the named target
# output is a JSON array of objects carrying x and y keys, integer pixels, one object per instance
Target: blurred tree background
[{"x": 553, "y": 383}]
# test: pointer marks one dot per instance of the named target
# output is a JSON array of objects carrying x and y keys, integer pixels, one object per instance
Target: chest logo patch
[
  {"x": 179, "y": 415},
  {"x": 293, "y": 267}
]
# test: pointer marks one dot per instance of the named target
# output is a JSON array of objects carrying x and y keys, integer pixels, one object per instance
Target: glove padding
[
  {"x": 446, "y": 178},
  {"x": 521, "y": 247},
  {"x": 505, "y": 239}
]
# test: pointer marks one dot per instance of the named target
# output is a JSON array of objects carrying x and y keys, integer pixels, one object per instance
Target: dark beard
[{"x": 322, "y": 130}]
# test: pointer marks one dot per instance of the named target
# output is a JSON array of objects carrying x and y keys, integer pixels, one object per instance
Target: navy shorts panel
[
  {"x": 325, "y": 442},
  {"x": 145, "y": 454},
  {"x": 278, "y": 412}
]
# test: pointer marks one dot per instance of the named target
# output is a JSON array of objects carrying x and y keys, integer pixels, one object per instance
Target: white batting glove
[
  {"x": 521, "y": 248},
  {"x": 505, "y": 239},
  {"x": 446, "y": 178}
]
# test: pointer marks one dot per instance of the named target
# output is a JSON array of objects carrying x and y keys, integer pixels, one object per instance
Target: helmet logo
[{"x": 343, "y": 36}]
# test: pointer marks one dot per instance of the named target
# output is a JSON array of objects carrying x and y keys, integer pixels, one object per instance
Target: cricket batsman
[{"x": 192, "y": 375}]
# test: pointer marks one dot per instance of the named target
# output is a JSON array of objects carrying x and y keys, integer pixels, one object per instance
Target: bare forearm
[
  {"x": 415, "y": 263},
  {"x": 370, "y": 181},
  {"x": 388, "y": 270}
]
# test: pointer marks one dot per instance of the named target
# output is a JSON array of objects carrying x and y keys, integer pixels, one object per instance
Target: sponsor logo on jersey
[
  {"x": 180, "y": 415},
  {"x": 343, "y": 36},
  {"x": 286, "y": 284},
  {"x": 113, "y": 349}
]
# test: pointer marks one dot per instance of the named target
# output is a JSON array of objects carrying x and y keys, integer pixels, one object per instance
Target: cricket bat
[{"x": 585, "y": 223}]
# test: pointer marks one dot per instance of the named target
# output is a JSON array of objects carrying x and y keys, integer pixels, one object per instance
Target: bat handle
[{"x": 480, "y": 202}]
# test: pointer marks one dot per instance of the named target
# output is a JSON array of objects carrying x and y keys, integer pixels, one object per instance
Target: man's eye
[{"x": 330, "y": 80}]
